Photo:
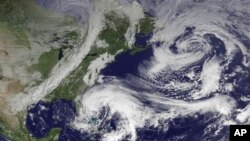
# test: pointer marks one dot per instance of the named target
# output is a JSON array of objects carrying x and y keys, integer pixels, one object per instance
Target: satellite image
[{"x": 123, "y": 70}]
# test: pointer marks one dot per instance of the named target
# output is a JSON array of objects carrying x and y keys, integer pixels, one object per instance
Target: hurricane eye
[{"x": 195, "y": 46}]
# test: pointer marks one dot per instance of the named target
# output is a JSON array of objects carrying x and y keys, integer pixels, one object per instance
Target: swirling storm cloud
[
  {"x": 191, "y": 84},
  {"x": 195, "y": 82}
]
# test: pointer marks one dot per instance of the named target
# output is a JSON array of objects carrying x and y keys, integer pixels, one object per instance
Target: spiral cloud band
[
  {"x": 198, "y": 72},
  {"x": 190, "y": 83}
]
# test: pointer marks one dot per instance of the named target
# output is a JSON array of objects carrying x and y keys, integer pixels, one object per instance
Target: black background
[{"x": 245, "y": 137}]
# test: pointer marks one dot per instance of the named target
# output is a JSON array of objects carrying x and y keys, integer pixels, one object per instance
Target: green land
[{"x": 73, "y": 84}]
